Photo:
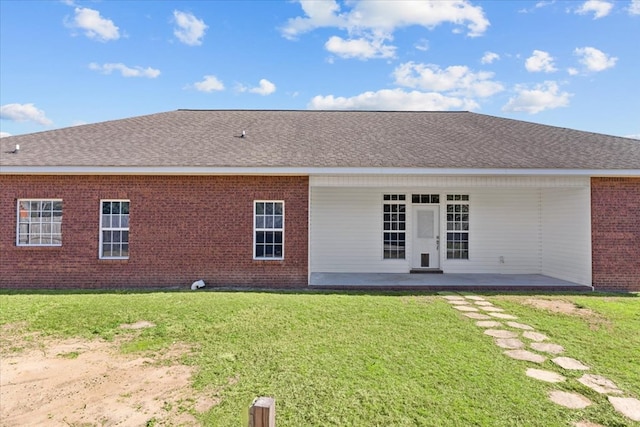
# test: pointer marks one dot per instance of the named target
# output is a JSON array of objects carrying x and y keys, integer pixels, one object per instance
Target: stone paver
[
  {"x": 453, "y": 297},
  {"x": 483, "y": 303},
  {"x": 520, "y": 326},
  {"x": 525, "y": 355},
  {"x": 474, "y": 297},
  {"x": 599, "y": 384},
  {"x": 569, "y": 400},
  {"x": 488, "y": 323},
  {"x": 465, "y": 308},
  {"x": 535, "y": 336},
  {"x": 569, "y": 363},
  {"x": 500, "y": 333},
  {"x": 490, "y": 308},
  {"x": 503, "y": 316},
  {"x": 627, "y": 406},
  {"x": 547, "y": 347},
  {"x": 509, "y": 343},
  {"x": 477, "y": 316},
  {"x": 542, "y": 375},
  {"x": 458, "y": 302}
]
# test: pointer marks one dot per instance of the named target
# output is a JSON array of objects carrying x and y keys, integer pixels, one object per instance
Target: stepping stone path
[
  {"x": 488, "y": 323},
  {"x": 490, "y": 308},
  {"x": 520, "y": 326},
  {"x": 459, "y": 302},
  {"x": 525, "y": 355},
  {"x": 503, "y": 316},
  {"x": 500, "y": 333},
  {"x": 547, "y": 347},
  {"x": 509, "y": 343},
  {"x": 477, "y": 316},
  {"x": 569, "y": 400},
  {"x": 570, "y": 364},
  {"x": 627, "y": 406},
  {"x": 542, "y": 375},
  {"x": 535, "y": 336},
  {"x": 465, "y": 308},
  {"x": 484, "y": 303},
  {"x": 470, "y": 305},
  {"x": 599, "y": 384}
]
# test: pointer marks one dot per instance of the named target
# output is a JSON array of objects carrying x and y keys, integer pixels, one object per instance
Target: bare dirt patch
[
  {"x": 559, "y": 306},
  {"x": 595, "y": 320},
  {"x": 76, "y": 382}
]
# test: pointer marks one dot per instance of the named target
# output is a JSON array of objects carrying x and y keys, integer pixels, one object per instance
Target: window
[
  {"x": 39, "y": 222},
  {"x": 457, "y": 226},
  {"x": 268, "y": 226},
  {"x": 425, "y": 198},
  {"x": 394, "y": 211},
  {"x": 114, "y": 229}
]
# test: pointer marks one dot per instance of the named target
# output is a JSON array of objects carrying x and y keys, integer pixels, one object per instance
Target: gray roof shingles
[{"x": 321, "y": 139}]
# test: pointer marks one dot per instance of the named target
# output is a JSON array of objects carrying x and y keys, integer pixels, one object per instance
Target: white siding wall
[
  {"x": 346, "y": 232},
  {"x": 503, "y": 223},
  {"x": 566, "y": 234},
  {"x": 538, "y": 226}
]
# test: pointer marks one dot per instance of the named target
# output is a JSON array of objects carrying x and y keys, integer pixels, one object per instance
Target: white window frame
[
  {"x": 28, "y": 223},
  {"x": 257, "y": 229},
  {"x": 110, "y": 228},
  {"x": 394, "y": 199},
  {"x": 457, "y": 199}
]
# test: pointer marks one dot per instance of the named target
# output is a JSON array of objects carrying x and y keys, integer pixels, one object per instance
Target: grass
[{"x": 356, "y": 359}]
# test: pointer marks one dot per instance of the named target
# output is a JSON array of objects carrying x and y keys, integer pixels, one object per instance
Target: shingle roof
[{"x": 321, "y": 139}]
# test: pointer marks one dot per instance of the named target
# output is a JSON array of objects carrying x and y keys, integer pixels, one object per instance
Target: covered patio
[{"x": 440, "y": 282}]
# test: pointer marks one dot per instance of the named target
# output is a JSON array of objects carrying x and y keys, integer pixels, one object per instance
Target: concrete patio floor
[{"x": 438, "y": 282}]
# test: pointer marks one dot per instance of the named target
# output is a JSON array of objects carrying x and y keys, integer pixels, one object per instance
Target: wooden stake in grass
[{"x": 262, "y": 412}]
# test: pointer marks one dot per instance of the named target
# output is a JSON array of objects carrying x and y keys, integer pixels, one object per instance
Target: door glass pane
[{"x": 426, "y": 224}]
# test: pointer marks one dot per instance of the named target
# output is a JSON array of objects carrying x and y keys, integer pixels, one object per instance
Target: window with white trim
[
  {"x": 394, "y": 212},
  {"x": 114, "y": 229},
  {"x": 268, "y": 230},
  {"x": 457, "y": 226},
  {"x": 39, "y": 222}
]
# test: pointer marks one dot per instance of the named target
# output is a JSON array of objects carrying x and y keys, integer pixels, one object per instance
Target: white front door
[{"x": 426, "y": 237}]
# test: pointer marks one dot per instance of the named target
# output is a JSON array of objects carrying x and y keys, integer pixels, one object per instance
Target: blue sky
[{"x": 572, "y": 64}]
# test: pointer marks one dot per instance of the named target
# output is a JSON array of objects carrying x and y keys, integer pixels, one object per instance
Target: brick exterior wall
[
  {"x": 615, "y": 233},
  {"x": 182, "y": 229}
]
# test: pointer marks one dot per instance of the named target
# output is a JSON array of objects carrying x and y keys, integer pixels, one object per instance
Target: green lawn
[{"x": 357, "y": 359}]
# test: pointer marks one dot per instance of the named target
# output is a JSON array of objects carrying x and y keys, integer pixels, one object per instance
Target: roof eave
[{"x": 309, "y": 171}]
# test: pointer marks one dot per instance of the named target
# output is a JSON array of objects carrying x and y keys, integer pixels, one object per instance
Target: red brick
[
  {"x": 182, "y": 229},
  {"x": 615, "y": 233}
]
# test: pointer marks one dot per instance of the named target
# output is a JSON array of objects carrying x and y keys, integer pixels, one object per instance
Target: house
[{"x": 274, "y": 198}]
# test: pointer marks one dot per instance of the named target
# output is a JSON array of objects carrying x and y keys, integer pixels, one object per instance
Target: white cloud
[
  {"x": 572, "y": 71},
  {"x": 4, "y": 134},
  {"x": 458, "y": 80},
  {"x": 634, "y": 7},
  {"x": 544, "y": 96},
  {"x": 540, "y": 61},
  {"x": 422, "y": 44},
  {"x": 489, "y": 57},
  {"x": 209, "y": 84},
  {"x": 136, "y": 71},
  {"x": 265, "y": 88},
  {"x": 370, "y": 23},
  {"x": 361, "y": 48},
  {"x": 24, "y": 113},
  {"x": 95, "y": 26},
  {"x": 392, "y": 100},
  {"x": 594, "y": 59},
  {"x": 599, "y": 8},
  {"x": 190, "y": 30},
  {"x": 636, "y": 136}
]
